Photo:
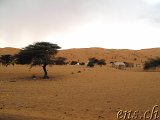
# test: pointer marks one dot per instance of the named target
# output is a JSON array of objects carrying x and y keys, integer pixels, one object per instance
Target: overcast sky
[{"x": 119, "y": 24}]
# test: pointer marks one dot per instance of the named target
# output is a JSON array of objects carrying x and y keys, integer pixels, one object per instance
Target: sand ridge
[{"x": 83, "y": 54}]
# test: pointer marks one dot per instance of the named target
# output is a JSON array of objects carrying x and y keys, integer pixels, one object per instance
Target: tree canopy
[
  {"x": 152, "y": 63},
  {"x": 39, "y": 53},
  {"x": 6, "y": 59}
]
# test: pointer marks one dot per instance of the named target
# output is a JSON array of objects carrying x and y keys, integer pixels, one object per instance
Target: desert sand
[{"x": 75, "y": 92}]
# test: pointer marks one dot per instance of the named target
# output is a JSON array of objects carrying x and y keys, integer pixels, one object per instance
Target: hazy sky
[{"x": 127, "y": 24}]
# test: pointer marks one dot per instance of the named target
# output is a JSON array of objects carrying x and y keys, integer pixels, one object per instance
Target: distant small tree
[
  {"x": 7, "y": 60},
  {"x": 97, "y": 61},
  {"x": 60, "y": 61},
  {"x": 101, "y": 62},
  {"x": 90, "y": 64},
  {"x": 40, "y": 53},
  {"x": 152, "y": 63},
  {"x": 94, "y": 60},
  {"x": 73, "y": 63}
]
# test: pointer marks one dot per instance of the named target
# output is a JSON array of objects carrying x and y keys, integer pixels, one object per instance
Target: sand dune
[
  {"x": 135, "y": 56},
  {"x": 8, "y": 50},
  {"x": 82, "y": 55}
]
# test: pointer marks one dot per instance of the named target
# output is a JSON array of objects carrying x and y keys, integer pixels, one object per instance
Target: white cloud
[
  {"x": 85, "y": 23},
  {"x": 109, "y": 35},
  {"x": 152, "y": 2},
  {"x": 3, "y": 43}
]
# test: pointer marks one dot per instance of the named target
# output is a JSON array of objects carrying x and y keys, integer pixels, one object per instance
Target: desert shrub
[
  {"x": 152, "y": 63},
  {"x": 7, "y": 60},
  {"x": 135, "y": 59},
  {"x": 94, "y": 60},
  {"x": 73, "y": 63},
  {"x": 90, "y": 64},
  {"x": 81, "y": 63},
  {"x": 101, "y": 62},
  {"x": 60, "y": 61},
  {"x": 97, "y": 61}
]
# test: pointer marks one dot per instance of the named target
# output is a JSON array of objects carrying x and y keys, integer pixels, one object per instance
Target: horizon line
[{"x": 91, "y": 48}]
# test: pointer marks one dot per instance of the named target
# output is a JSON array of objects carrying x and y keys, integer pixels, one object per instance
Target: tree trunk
[{"x": 45, "y": 72}]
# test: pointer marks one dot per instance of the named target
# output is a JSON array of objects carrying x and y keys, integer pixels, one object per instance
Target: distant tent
[{"x": 118, "y": 65}]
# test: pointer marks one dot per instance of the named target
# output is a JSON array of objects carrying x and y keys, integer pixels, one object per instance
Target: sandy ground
[{"x": 75, "y": 93}]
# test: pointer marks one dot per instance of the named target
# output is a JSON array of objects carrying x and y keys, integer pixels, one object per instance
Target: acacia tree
[
  {"x": 40, "y": 53},
  {"x": 7, "y": 60}
]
